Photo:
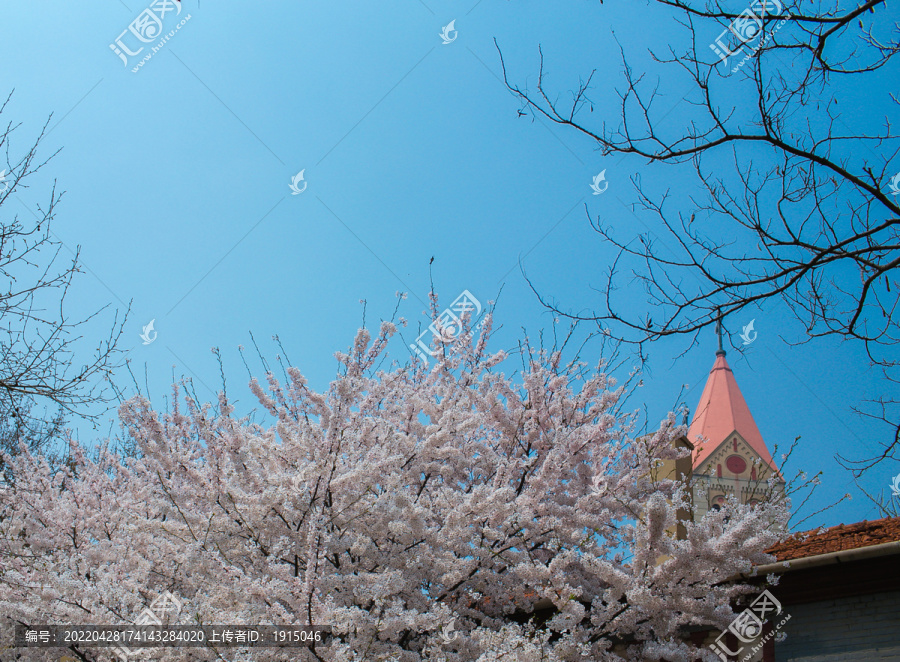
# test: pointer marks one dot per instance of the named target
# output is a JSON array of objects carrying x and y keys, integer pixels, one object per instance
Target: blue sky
[{"x": 177, "y": 190}]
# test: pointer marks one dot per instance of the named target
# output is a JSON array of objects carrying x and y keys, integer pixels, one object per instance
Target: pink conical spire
[{"x": 723, "y": 410}]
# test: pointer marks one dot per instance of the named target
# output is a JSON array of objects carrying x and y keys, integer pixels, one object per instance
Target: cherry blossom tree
[{"x": 443, "y": 512}]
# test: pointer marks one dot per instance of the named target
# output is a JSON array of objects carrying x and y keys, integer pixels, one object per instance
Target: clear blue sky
[{"x": 177, "y": 181}]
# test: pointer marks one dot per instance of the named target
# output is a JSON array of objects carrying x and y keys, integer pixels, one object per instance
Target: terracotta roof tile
[{"x": 838, "y": 538}]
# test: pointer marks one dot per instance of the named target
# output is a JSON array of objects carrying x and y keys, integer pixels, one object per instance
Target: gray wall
[{"x": 865, "y": 627}]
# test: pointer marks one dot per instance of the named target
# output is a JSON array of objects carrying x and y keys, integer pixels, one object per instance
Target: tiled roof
[
  {"x": 838, "y": 538},
  {"x": 721, "y": 411}
]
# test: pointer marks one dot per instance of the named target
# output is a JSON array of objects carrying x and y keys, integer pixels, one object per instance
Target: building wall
[
  {"x": 864, "y": 628},
  {"x": 718, "y": 478}
]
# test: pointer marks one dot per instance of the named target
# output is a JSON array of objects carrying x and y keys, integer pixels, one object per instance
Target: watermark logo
[
  {"x": 146, "y": 29},
  {"x": 449, "y": 32},
  {"x": 746, "y": 28},
  {"x": 596, "y": 185},
  {"x": 297, "y": 482},
  {"x": 449, "y": 325},
  {"x": 295, "y": 183},
  {"x": 748, "y": 626},
  {"x": 894, "y": 185},
  {"x": 3, "y": 181},
  {"x": 895, "y": 486},
  {"x": 147, "y": 330},
  {"x": 151, "y": 617},
  {"x": 449, "y": 629},
  {"x": 746, "y": 331}
]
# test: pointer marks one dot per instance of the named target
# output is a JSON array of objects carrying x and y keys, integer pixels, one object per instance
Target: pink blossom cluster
[{"x": 446, "y": 513}]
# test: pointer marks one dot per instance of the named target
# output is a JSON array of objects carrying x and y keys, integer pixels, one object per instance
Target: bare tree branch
[
  {"x": 792, "y": 201},
  {"x": 38, "y": 359}
]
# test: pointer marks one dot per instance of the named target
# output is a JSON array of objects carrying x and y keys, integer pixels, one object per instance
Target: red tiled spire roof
[{"x": 721, "y": 411}]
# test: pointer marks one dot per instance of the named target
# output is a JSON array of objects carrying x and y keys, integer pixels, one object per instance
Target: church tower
[{"x": 729, "y": 456}]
